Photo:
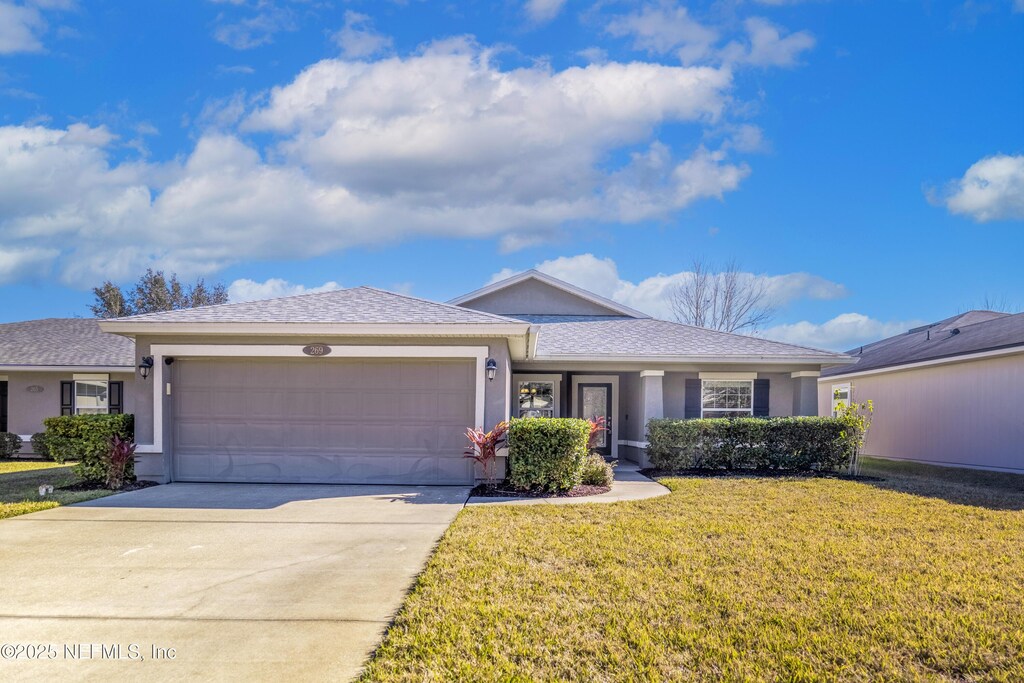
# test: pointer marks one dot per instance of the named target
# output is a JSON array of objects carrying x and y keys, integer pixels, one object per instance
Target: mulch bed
[
  {"x": 652, "y": 473},
  {"x": 504, "y": 491},
  {"x": 87, "y": 486}
]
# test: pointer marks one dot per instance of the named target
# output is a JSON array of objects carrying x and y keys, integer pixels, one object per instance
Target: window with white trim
[
  {"x": 536, "y": 398},
  {"x": 92, "y": 396},
  {"x": 727, "y": 398},
  {"x": 840, "y": 396}
]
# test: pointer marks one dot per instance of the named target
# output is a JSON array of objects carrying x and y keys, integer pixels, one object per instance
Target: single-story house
[
  {"x": 62, "y": 366},
  {"x": 949, "y": 393},
  {"x": 363, "y": 385}
]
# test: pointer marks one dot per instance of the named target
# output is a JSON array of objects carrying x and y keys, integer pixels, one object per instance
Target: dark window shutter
[
  {"x": 116, "y": 398},
  {"x": 761, "y": 390},
  {"x": 67, "y": 398},
  {"x": 3, "y": 406},
  {"x": 691, "y": 399}
]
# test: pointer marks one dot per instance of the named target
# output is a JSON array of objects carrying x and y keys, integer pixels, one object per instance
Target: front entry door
[{"x": 594, "y": 400}]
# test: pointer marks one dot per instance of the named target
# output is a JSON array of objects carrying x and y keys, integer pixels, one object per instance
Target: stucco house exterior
[
  {"x": 949, "y": 393},
  {"x": 62, "y": 366},
  {"x": 363, "y": 385}
]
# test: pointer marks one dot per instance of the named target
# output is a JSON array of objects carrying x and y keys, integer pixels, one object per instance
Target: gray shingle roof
[
  {"x": 639, "y": 337},
  {"x": 63, "y": 341},
  {"x": 355, "y": 305},
  {"x": 976, "y": 331}
]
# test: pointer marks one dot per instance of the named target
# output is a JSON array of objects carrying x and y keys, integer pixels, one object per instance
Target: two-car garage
[{"x": 322, "y": 420}]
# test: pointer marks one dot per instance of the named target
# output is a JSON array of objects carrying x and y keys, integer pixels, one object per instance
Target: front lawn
[
  {"x": 20, "y": 481},
  {"x": 734, "y": 578}
]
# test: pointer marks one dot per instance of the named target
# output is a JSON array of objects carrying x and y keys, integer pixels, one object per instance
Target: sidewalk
[{"x": 628, "y": 484}]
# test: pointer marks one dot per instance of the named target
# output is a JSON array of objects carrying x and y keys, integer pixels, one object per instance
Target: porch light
[
  {"x": 492, "y": 369},
  {"x": 145, "y": 366}
]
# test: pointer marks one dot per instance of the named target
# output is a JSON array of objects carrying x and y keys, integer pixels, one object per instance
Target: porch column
[
  {"x": 652, "y": 396},
  {"x": 805, "y": 392}
]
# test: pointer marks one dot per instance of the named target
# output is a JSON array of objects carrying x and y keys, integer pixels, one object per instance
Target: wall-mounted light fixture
[
  {"x": 145, "y": 366},
  {"x": 492, "y": 369}
]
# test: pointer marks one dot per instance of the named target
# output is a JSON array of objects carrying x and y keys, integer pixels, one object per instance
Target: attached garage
[{"x": 322, "y": 420}]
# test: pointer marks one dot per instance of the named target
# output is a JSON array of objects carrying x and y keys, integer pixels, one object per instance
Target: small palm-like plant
[
  {"x": 597, "y": 425},
  {"x": 483, "y": 447},
  {"x": 122, "y": 451}
]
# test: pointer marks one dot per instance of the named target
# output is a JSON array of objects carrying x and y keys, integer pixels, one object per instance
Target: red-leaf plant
[
  {"x": 122, "y": 451},
  {"x": 597, "y": 425},
  {"x": 483, "y": 447}
]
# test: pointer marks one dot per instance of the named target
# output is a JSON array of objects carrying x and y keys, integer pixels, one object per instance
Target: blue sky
[{"x": 867, "y": 158}]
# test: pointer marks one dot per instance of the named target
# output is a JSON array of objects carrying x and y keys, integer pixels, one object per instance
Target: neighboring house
[
  {"x": 950, "y": 393},
  {"x": 367, "y": 386},
  {"x": 61, "y": 366}
]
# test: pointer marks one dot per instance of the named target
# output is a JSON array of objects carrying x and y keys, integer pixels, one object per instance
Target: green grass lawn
[
  {"x": 20, "y": 481},
  {"x": 917, "y": 577}
]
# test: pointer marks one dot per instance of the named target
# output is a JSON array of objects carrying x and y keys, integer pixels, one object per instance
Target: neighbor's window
[
  {"x": 840, "y": 397},
  {"x": 536, "y": 399},
  {"x": 92, "y": 397},
  {"x": 727, "y": 398}
]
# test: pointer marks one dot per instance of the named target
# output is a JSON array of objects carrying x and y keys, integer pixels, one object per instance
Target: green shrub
[
  {"x": 39, "y": 445},
  {"x": 783, "y": 443},
  {"x": 87, "y": 438},
  {"x": 547, "y": 452},
  {"x": 596, "y": 471},
  {"x": 10, "y": 444}
]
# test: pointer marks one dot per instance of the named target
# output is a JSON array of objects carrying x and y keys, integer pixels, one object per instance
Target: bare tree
[
  {"x": 729, "y": 300},
  {"x": 155, "y": 292}
]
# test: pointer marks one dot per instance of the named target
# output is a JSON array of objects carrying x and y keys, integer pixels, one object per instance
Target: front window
[
  {"x": 536, "y": 399},
  {"x": 727, "y": 398},
  {"x": 840, "y": 397},
  {"x": 91, "y": 397}
]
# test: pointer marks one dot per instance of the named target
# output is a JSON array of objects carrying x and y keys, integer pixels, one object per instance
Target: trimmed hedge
[
  {"x": 87, "y": 438},
  {"x": 547, "y": 452},
  {"x": 596, "y": 471},
  {"x": 781, "y": 443},
  {"x": 10, "y": 444}
]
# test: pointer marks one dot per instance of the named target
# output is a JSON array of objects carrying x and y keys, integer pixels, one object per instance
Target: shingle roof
[
  {"x": 975, "y": 331},
  {"x": 355, "y": 305},
  {"x": 63, "y": 341},
  {"x": 639, "y": 337}
]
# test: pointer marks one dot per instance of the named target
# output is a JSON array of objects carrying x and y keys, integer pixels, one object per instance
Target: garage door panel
[{"x": 323, "y": 420}]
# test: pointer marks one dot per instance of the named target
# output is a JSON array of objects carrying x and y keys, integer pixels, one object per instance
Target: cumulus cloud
[
  {"x": 841, "y": 333},
  {"x": 20, "y": 28},
  {"x": 541, "y": 11},
  {"x": 273, "y": 288},
  {"x": 767, "y": 44},
  {"x": 24, "y": 263},
  {"x": 358, "y": 39},
  {"x": 255, "y": 30},
  {"x": 991, "y": 189},
  {"x": 441, "y": 143},
  {"x": 651, "y": 295}
]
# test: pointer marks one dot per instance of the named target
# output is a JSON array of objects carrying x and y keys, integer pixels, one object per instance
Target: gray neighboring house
[
  {"x": 368, "y": 386},
  {"x": 949, "y": 393},
  {"x": 61, "y": 366}
]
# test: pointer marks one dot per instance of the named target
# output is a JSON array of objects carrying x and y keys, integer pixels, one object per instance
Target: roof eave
[
  {"x": 701, "y": 358},
  {"x": 140, "y": 327}
]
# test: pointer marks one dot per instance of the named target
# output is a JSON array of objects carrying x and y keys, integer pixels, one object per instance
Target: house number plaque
[{"x": 316, "y": 349}]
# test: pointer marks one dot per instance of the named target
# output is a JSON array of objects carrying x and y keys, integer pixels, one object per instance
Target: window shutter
[
  {"x": 691, "y": 399},
  {"x": 3, "y": 406},
  {"x": 116, "y": 398},
  {"x": 761, "y": 392},
  {"x": 67, "y": 398}
]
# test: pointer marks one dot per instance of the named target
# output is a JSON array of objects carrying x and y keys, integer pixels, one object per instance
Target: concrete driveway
[{"x": 244, "y": 582}]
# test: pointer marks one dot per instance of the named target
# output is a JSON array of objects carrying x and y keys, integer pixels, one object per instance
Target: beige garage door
[{"x": 322, "y": 420}]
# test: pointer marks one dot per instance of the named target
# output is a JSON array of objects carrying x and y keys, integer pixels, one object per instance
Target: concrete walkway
[
  {"x": 628, "y": 484},
  {"x": 243, "y": 582}
]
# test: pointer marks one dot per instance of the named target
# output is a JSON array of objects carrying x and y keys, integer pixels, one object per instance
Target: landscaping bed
[
  {"x": 508, "y": 491},
  {"x": 654, "y": 473},
  {"x": 915, "y": 577},
  {"x": 128, "y": 486}
]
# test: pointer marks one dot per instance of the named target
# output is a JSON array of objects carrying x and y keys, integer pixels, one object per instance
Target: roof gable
[{"x": 535, "y": 293}]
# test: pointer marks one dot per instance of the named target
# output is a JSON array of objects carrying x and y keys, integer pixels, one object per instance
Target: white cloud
[
  {"x": 256, "y": 30},
  {"x": 767, "y": 45},
  {"x": 357, "y": 38},
  {"x": 442, "y": 143},
  {"x": 666, "y": 28},
  {"x": 541, "y": 11},
  {"x": 25, "y": 263},
  {"x": 20, "y": 28},
  {"x": 274, "y": 288},
  {"x": 651, "y": 295},
  {"x": 991, "y": 189},
  {"x": 841, "y": 333}
]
